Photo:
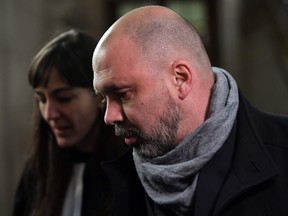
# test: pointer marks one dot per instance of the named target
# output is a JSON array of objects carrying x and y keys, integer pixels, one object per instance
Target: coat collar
[
  {"x": 129, "y": 194},
  {"x": 246, "y": 159}
]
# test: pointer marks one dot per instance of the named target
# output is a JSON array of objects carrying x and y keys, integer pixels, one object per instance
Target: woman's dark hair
[
  {"x": 71, "y": 53},
  {"x": 50, "y": 167}
]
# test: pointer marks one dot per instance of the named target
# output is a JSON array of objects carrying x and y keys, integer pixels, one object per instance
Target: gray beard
[{"x": 162, "y": 137}]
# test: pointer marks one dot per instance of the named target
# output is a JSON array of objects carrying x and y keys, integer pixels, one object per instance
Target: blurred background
[{"x": 249, "y": 38}]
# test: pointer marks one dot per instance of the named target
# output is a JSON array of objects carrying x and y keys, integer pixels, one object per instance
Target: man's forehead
[
  {"x": 102, "y": 78},
  {"x": 100, "y": 75}
]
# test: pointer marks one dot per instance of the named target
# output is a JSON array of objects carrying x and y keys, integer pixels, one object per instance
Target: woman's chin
[{"x": 65, "y": 143}]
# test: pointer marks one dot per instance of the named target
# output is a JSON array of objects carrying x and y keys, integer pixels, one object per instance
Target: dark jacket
[
  {"x": 96, "y": 188},
  {"x": 248, "y": 176}
]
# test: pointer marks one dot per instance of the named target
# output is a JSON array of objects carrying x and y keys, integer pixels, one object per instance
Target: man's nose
[{"x": 114, "y": 113}]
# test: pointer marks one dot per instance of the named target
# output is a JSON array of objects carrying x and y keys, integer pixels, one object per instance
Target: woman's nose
[{"x": 50, "y": 111}]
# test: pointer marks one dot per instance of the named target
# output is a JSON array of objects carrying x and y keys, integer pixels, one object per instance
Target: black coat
[
  {"x": 247, "y": 176},
  {"x": 96, "y": 188}
]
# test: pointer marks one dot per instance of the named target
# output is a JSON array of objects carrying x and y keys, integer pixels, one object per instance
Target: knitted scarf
[{"x": 170, "y": 180}]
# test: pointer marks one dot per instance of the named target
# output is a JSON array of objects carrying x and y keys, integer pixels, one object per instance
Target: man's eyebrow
[{"x": 109, "y": 89}]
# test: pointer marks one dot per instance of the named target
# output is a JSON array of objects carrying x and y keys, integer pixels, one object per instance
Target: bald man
[{"x": 197, "y": 146}]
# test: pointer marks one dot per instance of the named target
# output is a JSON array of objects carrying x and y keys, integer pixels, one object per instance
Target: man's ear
[{"x": 183, "y": 78}]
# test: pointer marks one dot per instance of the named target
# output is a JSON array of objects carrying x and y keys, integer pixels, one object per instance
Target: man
[{"x": 198, "y": 147}]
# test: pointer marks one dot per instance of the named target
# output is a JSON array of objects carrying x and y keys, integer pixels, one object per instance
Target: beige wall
[{"x": 18, "y": 37}]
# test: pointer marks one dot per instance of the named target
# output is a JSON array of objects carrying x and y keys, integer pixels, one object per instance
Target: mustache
[{"x": 126, "y": 131}]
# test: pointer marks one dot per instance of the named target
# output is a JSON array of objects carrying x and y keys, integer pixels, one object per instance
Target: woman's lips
[{"x": 61, "y": 131}]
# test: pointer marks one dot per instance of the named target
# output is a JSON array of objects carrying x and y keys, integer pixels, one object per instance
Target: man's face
[{"x": 139, "y": 103}]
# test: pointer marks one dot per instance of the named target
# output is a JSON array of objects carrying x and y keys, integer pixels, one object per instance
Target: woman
[{"x": 62, "y": 175}]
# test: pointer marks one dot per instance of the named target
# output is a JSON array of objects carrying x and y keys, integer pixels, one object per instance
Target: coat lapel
[
  {"x": 252, "y": 164},
  {"x": 240, "y": 165},
  {"x": 129, "y": 195},
  {"x": 212, "y": 177}
]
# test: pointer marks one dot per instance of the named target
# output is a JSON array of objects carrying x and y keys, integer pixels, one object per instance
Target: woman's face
[{"x": 71, "y": 112}]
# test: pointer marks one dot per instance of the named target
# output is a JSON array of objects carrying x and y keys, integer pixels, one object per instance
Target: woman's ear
[{"x": 183, "y": 77}]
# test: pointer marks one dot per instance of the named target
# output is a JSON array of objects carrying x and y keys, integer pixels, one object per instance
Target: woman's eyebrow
[
  {"x": 64, "y": 89},
  {"x": 54, "y": 91}
]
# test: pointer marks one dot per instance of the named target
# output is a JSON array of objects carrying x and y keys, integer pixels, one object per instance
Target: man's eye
[
  {"x": 102, "y": 98},
  {"x": 124, "y": 96}
]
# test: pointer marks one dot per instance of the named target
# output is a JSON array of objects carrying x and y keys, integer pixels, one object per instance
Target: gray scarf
[{"x": 170, "y": 180}]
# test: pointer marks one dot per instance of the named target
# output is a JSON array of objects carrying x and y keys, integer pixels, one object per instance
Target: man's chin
[{"x": 145, "y": 152}]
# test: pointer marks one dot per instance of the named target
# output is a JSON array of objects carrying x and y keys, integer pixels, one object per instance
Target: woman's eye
[
  {"x": 65, "y": 99},
  {"x": 41, "y": 100}
]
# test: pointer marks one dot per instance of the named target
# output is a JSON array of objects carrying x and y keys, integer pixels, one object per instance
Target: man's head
[{"x": 153, "y": 70}]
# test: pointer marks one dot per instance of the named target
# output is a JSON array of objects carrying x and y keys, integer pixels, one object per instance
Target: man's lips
[
  {"x": 130, "y": 140},
  {"x": 130, "y": 135}
]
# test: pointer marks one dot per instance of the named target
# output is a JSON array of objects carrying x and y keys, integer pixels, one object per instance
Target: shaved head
[
  {"x": 155, "y": 74},
  {"x": 161, "y": 33}
]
